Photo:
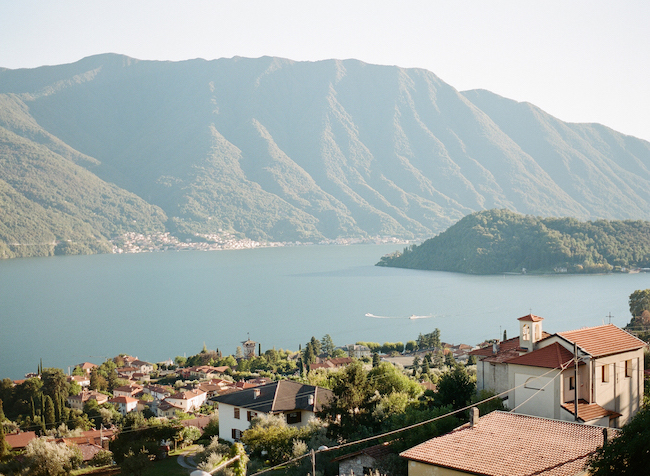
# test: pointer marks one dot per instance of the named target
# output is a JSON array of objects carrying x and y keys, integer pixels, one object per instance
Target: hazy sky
[{"x": 581, "y": 61}]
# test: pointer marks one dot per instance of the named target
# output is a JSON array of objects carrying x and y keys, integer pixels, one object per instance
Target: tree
[
  {"x": 639, "y": 302},
  {"x": 349, "y": 412},
  {"x": 627, "y": 453},
  {"x": 46, "y": 458},
  {"x": 50, "y": 418},
  {"x": 55, "y": 383},
  {"x": 315, "y": 343},
  {"x": 375, "y": 359},
  {"x": 327, "y": 345},
  {"x": 4, "y": 446},
  {"x": 135, "y": 464},
  {"x": 455, "y": 388},
  {"x": 309, "y": 356}
]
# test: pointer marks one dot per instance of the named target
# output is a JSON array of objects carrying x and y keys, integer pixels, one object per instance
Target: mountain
[
  {"x": 275, "y": 149},
  {"x": 500, "y": 241}
]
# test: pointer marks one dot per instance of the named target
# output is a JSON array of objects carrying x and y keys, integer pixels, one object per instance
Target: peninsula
[{"x": 501, "y": 241}]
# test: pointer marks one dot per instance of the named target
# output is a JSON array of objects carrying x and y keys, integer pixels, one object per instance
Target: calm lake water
[{"x": 156, "y": 306}]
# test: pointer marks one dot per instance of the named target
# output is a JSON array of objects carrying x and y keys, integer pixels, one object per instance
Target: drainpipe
[{"x": 575, "y": 381}]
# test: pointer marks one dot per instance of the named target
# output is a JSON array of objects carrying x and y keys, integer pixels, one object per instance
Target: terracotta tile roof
[
  {"x": 89, "y": 450},
  {"x": 122, "y": 399},
  {"x": 604, "y": 340},
  {"x": 18, "y": 441},
  {"x": 531, "y": 318},
  {"x": 589, "y": 411},
  {"x": 510, "y": 444},
  {"x": 550, "y": 357}
]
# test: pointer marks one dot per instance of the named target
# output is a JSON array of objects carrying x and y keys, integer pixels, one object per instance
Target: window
[
  {"x": 294, "y": 417},
  {"x": 250, "y": 415},
  {"x": 236, "y": 434},
  {"x": 628, "y": 368},
  {"x": 538, "y": 332},
  {"x": 572, "y": 383},
  {"x": 605, "y": 373},
  {"x": 237, "y": 413},
  {"x": 526, "y": 332}
]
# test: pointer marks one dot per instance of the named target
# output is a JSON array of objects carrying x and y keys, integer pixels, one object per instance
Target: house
[
  {"x": 206, "y": 371},
  {"x": 158, "y": 392},
  {"x": 297, "y": 402},
  {"x": 167, "y": 410},
  {"x": 78, "y": 401},
  {"x": 82, "y": 380},
  {"x": 604, "y": 363},
  {"x": 512, "y": 444},
  {"x": 365, "y": 461},
  {"x": 127, "y": 390},
  {"x": 87, "y": 367},
  {"x": 142, "y": 366},
  {"x": 124, "y": 404},
  {"x": 18, "y": 441},
  {"x": 331, "y": 364},
  {"x": 188, "y": 400},
  {"x": 356, "y": 351},
  {"x": 126, "y": 372}
]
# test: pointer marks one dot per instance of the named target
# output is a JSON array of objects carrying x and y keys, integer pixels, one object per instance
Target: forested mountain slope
[
  {"x": 500, "y": 241},
  {"x": 282, "y": 150}
]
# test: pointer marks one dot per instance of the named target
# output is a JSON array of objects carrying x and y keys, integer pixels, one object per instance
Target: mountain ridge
[{"x": 275, "y": 149}]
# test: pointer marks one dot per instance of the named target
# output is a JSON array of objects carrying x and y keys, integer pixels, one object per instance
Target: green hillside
[
  {"x": 500, "y": 241},
  {"x": 274, "y": 149}
]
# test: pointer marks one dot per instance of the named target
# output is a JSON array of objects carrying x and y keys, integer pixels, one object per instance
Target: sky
[{"x": 581, "y": 61}]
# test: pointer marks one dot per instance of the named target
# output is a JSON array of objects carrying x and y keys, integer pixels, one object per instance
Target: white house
[
  {"x": 604, "y": 364},
  {"x": 188, "y": 400},
  {"x": 124, "y": 404},
  {"x": 297, "y": 402}
]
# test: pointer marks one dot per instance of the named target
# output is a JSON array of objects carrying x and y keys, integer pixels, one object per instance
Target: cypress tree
[
  {"x": 4, "y": 447},
  {"x": 33, "y": 410},
  {"x": 57, "y": 408},
  {"x": 49, "y": 415}
]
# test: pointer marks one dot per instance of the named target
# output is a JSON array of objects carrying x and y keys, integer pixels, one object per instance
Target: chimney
[
  {"x": 606, "y": 435},
  {"x": 256, "y": 393},
  {"x": 495, "y": 348},
  {"x": 473, "y": 417}
]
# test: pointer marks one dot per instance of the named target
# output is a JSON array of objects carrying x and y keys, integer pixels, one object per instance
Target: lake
[{"x": 72, "y": 309}]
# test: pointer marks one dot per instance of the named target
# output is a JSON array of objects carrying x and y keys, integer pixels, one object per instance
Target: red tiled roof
[
  {"x": 123, "y": 400},
  {"x": 589, "y": 411},
  {"x": 531, "y": 318},
  {"x": 551, "y": 357},
  {"x": 603, "y": 340},
  {"x": 18, "y": 441},
  {"x": 509, "y": 444}
]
